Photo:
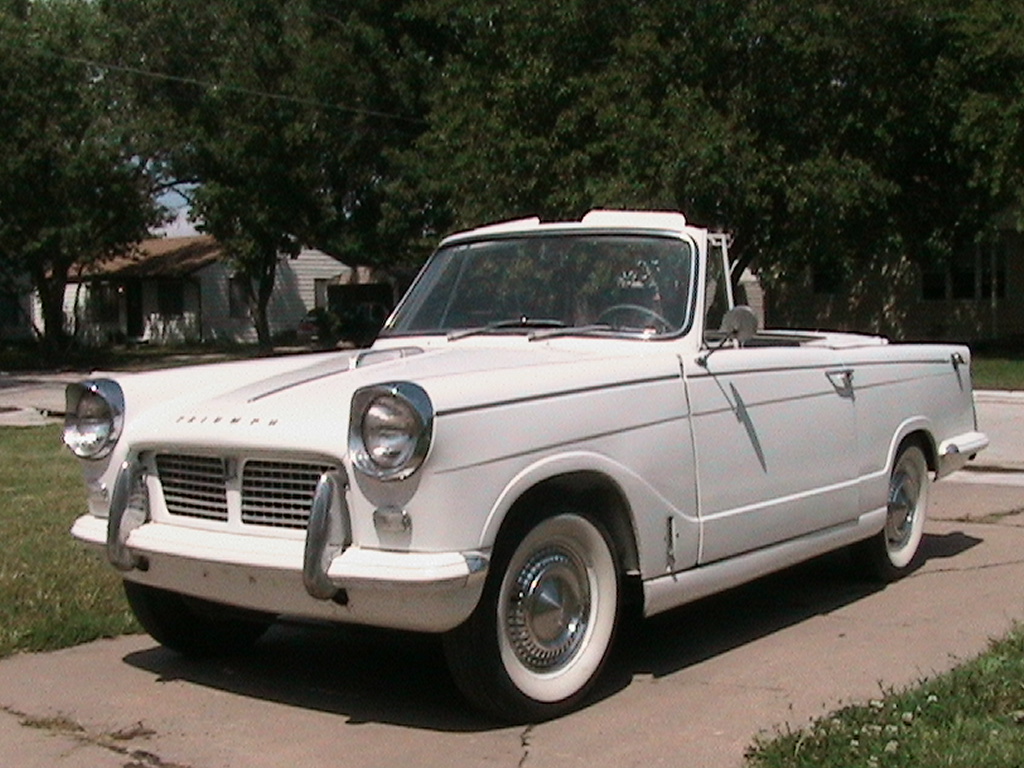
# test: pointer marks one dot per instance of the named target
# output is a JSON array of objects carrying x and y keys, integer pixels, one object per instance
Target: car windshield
[{"x": 553, "y": 285}]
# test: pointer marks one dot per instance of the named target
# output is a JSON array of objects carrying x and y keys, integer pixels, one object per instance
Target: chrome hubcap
[
  {"x": 549, "y": 609},
  {"x": 899, "y": 523}
]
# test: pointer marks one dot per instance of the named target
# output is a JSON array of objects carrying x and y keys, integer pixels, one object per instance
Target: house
[
  {"x": 973, "y": 297},
  {"x": 183, "y": 289}
]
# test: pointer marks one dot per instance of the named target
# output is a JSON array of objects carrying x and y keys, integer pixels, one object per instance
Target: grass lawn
[
  {"x": 997, "y": 372},
  {"x": 972, "y": 716},
  {"x": 53, "y": 593}
]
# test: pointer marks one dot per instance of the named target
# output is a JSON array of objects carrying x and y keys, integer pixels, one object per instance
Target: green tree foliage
[
  {"x": 369, "y": 68},
  {"x": 285, "y": 115},
  {"x": 72, "y": 189},
  {"x": 218, "y": 84},
  {"x": 819, "y": 134},
  {"x": 986, "y": 71}
]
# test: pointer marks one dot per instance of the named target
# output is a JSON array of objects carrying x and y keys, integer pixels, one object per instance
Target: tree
[
  {"x": 284, "y": 115},
  {"x": 72, "y": 190},
  {"x": 252, "y": 147},
  {"x": 368, "y": 67},
  {"x": 823, "y": 135}
]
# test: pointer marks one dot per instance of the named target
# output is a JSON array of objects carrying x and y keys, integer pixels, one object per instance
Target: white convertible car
[{"x": 557, "y": 416}]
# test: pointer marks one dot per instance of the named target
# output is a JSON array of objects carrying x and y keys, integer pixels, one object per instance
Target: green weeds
[{"x": 971, "y": 716}]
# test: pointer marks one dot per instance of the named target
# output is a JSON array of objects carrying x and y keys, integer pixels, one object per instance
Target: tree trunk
[
  {"x": 264, "y": 290},
  {"x": 50, "y": 286}
]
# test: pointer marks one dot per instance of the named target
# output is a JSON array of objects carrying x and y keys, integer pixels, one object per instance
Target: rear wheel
[
  {"x": 191, "y": 626},
  {"x": 891, "y": 553},
  {"x": 537, "y": 641}
]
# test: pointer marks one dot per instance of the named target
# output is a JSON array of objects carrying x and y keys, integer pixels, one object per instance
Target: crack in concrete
[
  {"x": 992, "y": 518},
  {"x": 65, "y": 726},
  {"x": 966, "y": 569},
  {"x": 524, "y": 742}
]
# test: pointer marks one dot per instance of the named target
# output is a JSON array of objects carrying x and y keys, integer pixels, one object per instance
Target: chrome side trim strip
[{"x": 672, "y": 590}]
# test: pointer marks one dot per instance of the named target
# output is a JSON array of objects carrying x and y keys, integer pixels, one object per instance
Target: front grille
[
  {"x": 270, "y": 493},
  {"x": 194, "y": 486},
  {"x": 279, "y": 493}
]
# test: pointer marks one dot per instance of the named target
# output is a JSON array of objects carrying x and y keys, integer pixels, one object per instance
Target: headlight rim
[
  {"x": 410, "y": 395},
  {"x": 112, "y": 395}
]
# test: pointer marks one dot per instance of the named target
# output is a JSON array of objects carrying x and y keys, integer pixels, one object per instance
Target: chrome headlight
[
  {"x": 93, "y": 418},
  {"x": 389, "y": 429}
]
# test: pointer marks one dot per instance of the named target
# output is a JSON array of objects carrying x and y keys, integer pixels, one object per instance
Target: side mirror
[{"x": 739, "y": 325}]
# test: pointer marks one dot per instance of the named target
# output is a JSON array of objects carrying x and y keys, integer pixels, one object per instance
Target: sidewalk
[
  {"x": 28, "y": 399},
  {"x": 1001, "y": 417}
]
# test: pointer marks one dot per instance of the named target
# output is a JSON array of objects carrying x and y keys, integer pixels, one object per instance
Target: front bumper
[
  {"x": 425, "y": 592},
  {"x": 321, "y": 577}
]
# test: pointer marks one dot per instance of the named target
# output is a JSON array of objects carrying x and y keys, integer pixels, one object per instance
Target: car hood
[{"x": 303, "y": 405}]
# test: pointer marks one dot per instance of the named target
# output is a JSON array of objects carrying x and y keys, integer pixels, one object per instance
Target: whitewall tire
[
  {"x": 544, "y": 627},
  {"x": 893, "y": 551}
]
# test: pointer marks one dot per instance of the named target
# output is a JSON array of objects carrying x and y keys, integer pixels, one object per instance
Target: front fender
[{"x": 649, "y": 511}]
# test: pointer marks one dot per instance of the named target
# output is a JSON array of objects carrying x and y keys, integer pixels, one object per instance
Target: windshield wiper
[
  {"x": 572, "y": 330},
  {"x": 499, "y": 325}
]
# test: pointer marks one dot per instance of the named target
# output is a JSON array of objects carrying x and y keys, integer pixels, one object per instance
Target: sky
[{"x": 179, "y": 226}]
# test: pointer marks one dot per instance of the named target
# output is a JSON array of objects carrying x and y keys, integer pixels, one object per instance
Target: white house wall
[
  {"x": 207, "y": 314},
  {"x": 294, "y": 295}
]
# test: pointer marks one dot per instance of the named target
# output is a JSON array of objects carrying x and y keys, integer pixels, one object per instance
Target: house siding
[
  {"x": 887, "y": 297},
  {"x": 294, "y": 295},
  {"x": 205, "y": 303}
]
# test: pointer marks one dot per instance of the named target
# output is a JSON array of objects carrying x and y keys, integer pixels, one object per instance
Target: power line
[{"x": 229, "y": 88}]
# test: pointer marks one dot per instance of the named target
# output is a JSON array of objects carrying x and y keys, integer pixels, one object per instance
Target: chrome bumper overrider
[
  {"x": 955, "y": 452},
  {"x": 348, "y": 582}
]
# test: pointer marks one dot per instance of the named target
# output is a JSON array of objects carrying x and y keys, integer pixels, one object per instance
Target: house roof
[{"x": 158, "y": 257}]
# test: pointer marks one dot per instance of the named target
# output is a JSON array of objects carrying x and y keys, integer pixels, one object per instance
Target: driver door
[{"x": 774, "y": 437}]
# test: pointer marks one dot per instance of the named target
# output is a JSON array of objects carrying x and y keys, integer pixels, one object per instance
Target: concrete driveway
[{"x": 692, "y": 687}]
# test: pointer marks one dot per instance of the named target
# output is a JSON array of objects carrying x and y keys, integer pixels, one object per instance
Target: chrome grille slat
[
  {"x": 273, "y": 493},
  {"x": 194, "y": 486},
  {"x": 278, "y": 493}
]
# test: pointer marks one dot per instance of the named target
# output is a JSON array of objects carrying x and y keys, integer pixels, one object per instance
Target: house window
[
  {"x": 238, "y": 297},
  {"x": 963, "y": 281},
  {"x": 104, "y": 303},
  {"x": 971, "y": 278},
  {"x": 320, "y": 291},
  {"x": 170, "y": 298},
  {"x": 826, "y": 281},
  {"x": 933, "y": 284}
]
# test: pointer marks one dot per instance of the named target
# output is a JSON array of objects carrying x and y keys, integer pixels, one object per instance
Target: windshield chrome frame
[{"x": 466, "y": 239}]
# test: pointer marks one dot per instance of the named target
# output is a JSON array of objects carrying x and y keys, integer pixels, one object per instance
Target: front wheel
[
  {"x": 537, "y": 641},
  {"x": 890, "y": 554},
  {"x": 191, "y": 626}
]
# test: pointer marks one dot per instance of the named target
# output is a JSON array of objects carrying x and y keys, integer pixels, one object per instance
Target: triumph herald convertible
[{"x": 556, "y": 418}]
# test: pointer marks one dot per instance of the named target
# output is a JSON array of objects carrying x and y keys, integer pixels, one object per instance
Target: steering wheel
[{"x": 647, "y": 312}]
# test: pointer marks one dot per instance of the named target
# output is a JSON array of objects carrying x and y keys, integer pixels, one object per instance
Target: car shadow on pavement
[
  {"x": 364, "y": 674},
  {"x": 680, "y": 638},
  {"x": 369, "y": 675}
]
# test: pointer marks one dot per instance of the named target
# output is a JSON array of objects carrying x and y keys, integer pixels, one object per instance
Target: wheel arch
[
  {"x": 586, "y": 489},
  {"x": 915, "y": 432}
]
